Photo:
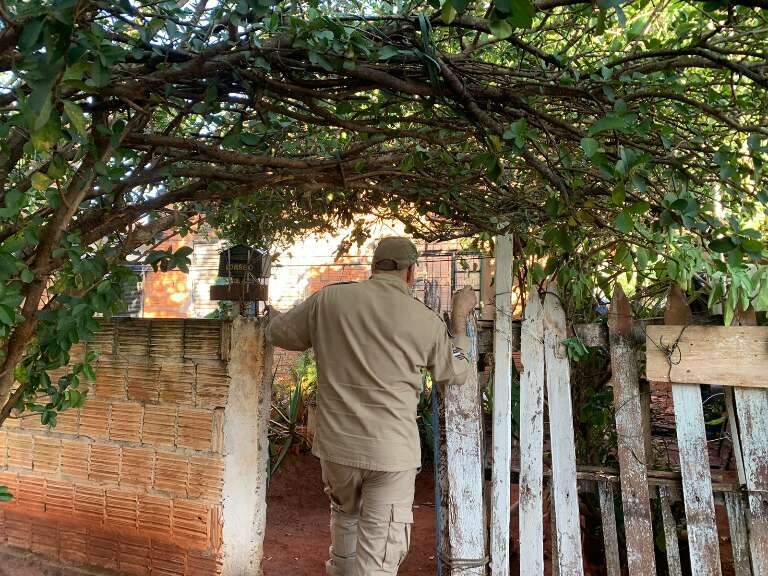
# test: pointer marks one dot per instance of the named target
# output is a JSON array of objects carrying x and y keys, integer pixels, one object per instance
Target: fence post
[
  {"x": 531, "y": 503},
  {"x": 737, "y": 522},
  {"x": 752, "y": 416},
  {"x": 631, "y": 439},
  {"x": 463, "y": 437},
  {"x": 694, "y": 458},
  {"x": 502, "y": 409},
  {"x": 670, "y": 533},
  {"x": 610, "y": 535},
  {"x": 565, "y": 495}
]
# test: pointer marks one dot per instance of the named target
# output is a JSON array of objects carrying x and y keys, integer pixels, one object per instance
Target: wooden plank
[
  {"x": 737, "y": 522},
  {"x": 610, "y": 535},
  {"x": 706, "y": 355},
  {"x": 532, "y": 439},
  {"x": 502, "y": 410},
  {"x": 564, "y": 493},
  {"x": 733, "y": 429},
  {"x": 670, "y": 533},
  {"x": 631, "y": 439},
  {"x": 463, "y": 437},
  {"x": 752, "y": 417},
  {"x": 694, "y": 458}
]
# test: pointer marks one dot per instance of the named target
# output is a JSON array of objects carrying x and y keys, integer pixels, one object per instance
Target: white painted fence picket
[
  {"x": 752, "y": 411},
  {"x": 463, "y": 438},
  {"x": 631, "y": 442},
  {"x": 531, "y": 505},
  {"x": 564, "y": 489},
  {"x": 704, "y": 546},
  {"x": 502, "y": 409}
]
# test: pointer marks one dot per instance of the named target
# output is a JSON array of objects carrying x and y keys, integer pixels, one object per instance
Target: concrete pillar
[{"x": 246, "y": 449}]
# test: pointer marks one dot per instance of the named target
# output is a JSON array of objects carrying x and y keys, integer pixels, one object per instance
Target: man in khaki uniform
[{"x": 371, "y": 340}]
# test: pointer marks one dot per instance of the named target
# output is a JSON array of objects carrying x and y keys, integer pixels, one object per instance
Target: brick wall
[{"x": 133, "y": 480}]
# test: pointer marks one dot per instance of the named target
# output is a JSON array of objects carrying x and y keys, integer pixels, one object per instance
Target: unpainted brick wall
[{"x": 132, "y": 481}]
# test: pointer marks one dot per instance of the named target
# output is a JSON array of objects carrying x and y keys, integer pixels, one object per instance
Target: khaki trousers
[{"x": 371, "y": 517}]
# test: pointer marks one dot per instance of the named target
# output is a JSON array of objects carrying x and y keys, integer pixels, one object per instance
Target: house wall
[{"x": 134, "y": 481}]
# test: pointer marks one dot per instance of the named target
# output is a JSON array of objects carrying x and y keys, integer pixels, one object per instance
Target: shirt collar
[{"x": 391, "y": 280}]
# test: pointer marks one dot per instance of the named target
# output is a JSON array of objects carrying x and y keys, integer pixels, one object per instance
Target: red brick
[
  {"x": 59, "y": 498},
  {"x": 122, "y": 509},
  {"x": 102, "y": 550},
  {"x": 47, "y": 455},
  {"x": 159, "y": 427},
  {"x": 133, "y": 337},
  {"x": 74, "y": 459},
  {"x": 167, "y": 559},
  {"x": 67, "y": 422},
  {"x": 202, "y": 564},
  {"x": 212, "y": 385},
  {"x": 171, "y": 473},
  {"x": 143, "y": 383},
  {"x": 191, "y": 523},
  {"x": 94, "y": 419},
  {"x": 3, "y": 449},
  {"x": 31, "y": 494},
  {"x": 11, "y": 481},
  {"x": 32, "y": 422},
  {"x": 155, "y": 515},
  {"x": 105, "y": 464},
  {"x": 136, "y": 467},
  {"x": 3, "y": 533},
  {"x": 125, "y": 423},
  {"x": 217, "y": 436},
  {"x": 134, "y": 556},
  {"x": 110, "y": 380},
  {"x": 72, "y": 545},
  {"x": 89, "y": 503},
  {"x": 20, "y": 448},
  {"x": 206, "y": 475},
  {"x": 18, "y": 530},
  {"x": 195, "y": 429},
  {"x": 45, "y": 539},
  {"x": 177, "y": 384}
]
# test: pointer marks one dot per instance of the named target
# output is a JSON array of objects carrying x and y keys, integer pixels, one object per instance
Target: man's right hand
[{"x": 464, "y": 301}]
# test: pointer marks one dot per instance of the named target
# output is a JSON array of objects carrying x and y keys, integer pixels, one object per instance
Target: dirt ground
[{"x": 298, "y": 533}]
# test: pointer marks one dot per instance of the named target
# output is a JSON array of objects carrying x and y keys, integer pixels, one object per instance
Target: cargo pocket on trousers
[{"x": 398, "y": 537}]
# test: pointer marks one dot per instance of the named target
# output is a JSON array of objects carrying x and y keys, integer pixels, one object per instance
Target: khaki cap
[{"x": 394, "y": 253}]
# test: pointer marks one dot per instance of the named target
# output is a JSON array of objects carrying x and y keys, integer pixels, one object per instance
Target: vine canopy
[{"x": 619, "y": 141}]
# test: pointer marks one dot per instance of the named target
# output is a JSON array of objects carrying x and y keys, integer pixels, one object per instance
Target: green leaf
[
  {"x": 612, "y": 121},
  {"x": 624, "y": 222},
  {"x": 460, "y": 5},
  {"x": 449, "y": 12},
  {"x": 753, "y": 246},
  {"x": 387, "y": 52},
  {"x": 522, "y": 13},
  {"x": 500, "y": 28},
  {"x": 7, "y": 315},
  {"x": 40, "y": 181},
  {"x": 76, "y": 117},
  {"x": 30, "y": 34},
  {"x": 639, "y": 208},
  {"x": 590, "y": 146},
  {"x": 722, "y": 245},
  {"x": 27, "y": 275}
]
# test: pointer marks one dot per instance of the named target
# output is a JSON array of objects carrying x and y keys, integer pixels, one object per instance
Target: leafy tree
[{"x": 618, "y": 141}]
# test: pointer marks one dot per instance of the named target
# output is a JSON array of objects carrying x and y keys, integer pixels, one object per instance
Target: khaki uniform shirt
[{"x": 371, "y": 340}]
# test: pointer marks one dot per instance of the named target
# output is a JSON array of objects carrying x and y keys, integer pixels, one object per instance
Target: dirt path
[{"x": 297, "y": 523}]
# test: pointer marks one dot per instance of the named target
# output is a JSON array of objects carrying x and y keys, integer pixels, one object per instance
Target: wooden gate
[{"x": 644, "y": 498}]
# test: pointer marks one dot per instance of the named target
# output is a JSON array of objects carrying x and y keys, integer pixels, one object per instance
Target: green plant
[
  {"x": 5, "y": 494},
  {"x": 425, "y": 419},
  {"x": 290, "y": 410},
  {"x": 284, "y": 432}
]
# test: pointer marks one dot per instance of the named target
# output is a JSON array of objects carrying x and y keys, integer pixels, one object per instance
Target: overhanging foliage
[{"x": 625, "y": 141}]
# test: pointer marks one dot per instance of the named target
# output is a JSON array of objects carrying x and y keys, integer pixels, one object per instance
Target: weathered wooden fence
[{"x": 636, "y": 499}]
